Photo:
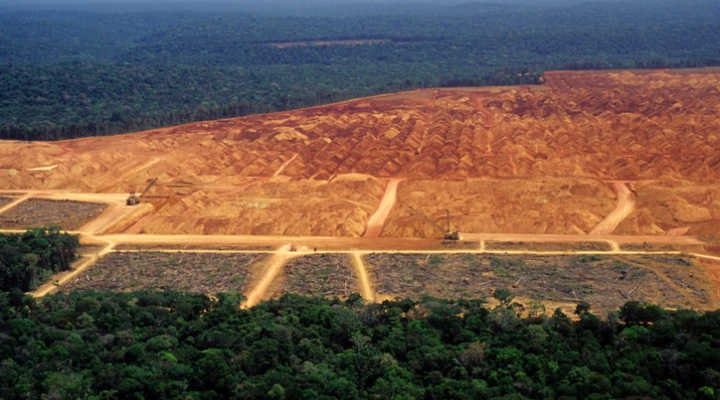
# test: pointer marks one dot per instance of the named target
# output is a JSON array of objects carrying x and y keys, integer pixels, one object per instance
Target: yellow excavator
[
  {"x": 134, "y": 198},
  {"x": 449, "y": 235}
]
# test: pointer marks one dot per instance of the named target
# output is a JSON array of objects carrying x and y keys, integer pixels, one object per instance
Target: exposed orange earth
[{"x": 551, "y": 158}]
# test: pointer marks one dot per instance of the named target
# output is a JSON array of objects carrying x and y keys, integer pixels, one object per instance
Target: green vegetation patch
[
  {"x": 68, "y": 74},
  {"x": 168, "y": 345},
  {"x": 28, "y": 259}
]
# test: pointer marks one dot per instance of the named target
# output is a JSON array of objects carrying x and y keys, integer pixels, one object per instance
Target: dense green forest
[
  {"x": 88, "y": 345},
  {"x": 72, "y": 73},
  {"x": 28, "y": 259}
]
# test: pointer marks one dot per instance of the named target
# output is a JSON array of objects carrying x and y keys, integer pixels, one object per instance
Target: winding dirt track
[
  {"x": 625, "y": 207},
  {"x": 376, "y": 222}
]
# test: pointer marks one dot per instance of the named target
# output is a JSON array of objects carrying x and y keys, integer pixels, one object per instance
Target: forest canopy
[
  {"x": 78, "y": 73},
  {"x": 28, "y": 259},
  {"x": 153, "y": 345}
]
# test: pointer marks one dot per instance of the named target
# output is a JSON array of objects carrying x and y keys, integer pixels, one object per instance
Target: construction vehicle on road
[
  {"x": 449, "y": 235},
  {"x": 134, "y": 199}
]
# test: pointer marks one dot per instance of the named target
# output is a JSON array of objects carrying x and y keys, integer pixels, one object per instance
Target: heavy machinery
[
  {"x": 134, "y": 199},
  {"x": 449, "y": 235}
]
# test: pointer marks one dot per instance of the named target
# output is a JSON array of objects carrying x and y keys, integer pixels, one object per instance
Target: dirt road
[
  {"x": 114, "y": 215},
  {"x": 473, "y": 243},
  {"x": 625, "y": 207},
  {"x": 376, "y": 222},
  {"x": 274, "y": 268},
  {"x": 365, "y": 286},
  {"x": 108, "y": 198},
  {"x": 62, "y": 278},
  {"x": 43, "y": 169},
  {"x": 14, "y": 203},
  {"x": 561, "y": 238}
]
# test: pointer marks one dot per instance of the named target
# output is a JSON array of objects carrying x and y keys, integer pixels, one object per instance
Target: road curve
[
  {"x": 376, "y": 222},
  {"x": 625, "y": 206}
]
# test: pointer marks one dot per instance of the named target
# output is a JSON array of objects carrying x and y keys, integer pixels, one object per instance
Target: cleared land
[
  {"x": 5, "y": 201},
  {"x": 499, "y": 205},
  {"x": 523, "y": 159},
  {"x": 68, "y": 215},
  {"x": 201, "y": 273},
  {"x": 604, "y": 282},
  {"x": 548, "y": 246},
  {"x": 675, "y": 207},
  {"x": 663, "y": 247},
  {"x": 327, "y": 275},
  {"x": 586, "y": 162},
  {"x": 255, "y": 207}
]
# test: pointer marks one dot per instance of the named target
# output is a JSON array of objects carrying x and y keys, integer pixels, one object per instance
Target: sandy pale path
[
  {"x": 625, "y": 207},
  {"x": 273, "y": 270},
  {"x": 365, "y": 286},
  {"x": 377, "y": 221}
]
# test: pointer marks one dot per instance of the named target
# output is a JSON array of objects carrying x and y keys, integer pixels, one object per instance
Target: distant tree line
[{"x": 69, "y": 74}]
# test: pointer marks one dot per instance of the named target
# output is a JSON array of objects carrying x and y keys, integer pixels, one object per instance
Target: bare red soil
[{"x": 531, "y": 159}]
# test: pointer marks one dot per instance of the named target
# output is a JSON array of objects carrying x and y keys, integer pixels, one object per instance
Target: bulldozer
[
  {"x": 449, "y": 235},
  {"x": 134, "y": 198}
]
